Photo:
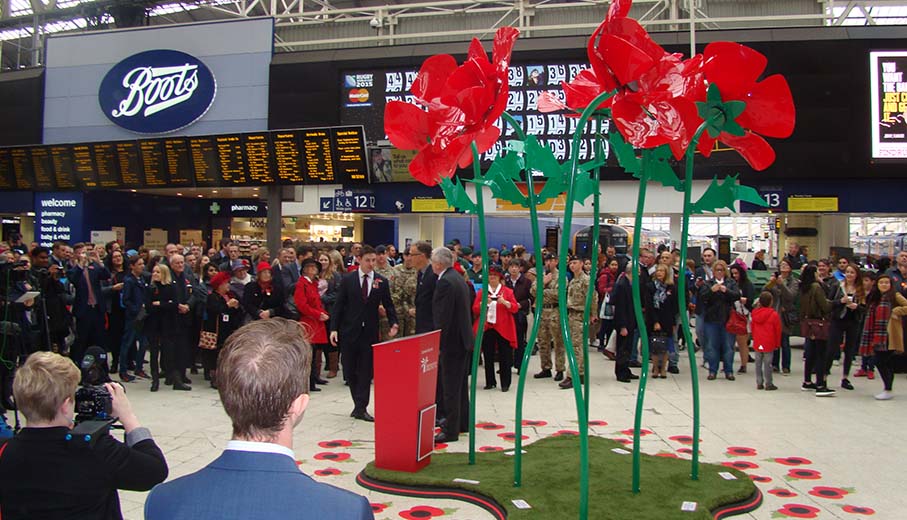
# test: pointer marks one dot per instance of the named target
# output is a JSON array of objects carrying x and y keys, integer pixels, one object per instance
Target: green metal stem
[
  {"x": 483, "y": 312},
  {"x": 682, "y": 290},
  {"x": 640, "y": 322},
  {"x": 536, "y": 318},
  {"x": 593, "y": 273}
]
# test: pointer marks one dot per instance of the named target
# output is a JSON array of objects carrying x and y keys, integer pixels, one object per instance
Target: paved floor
[{"x": 850, "y": 443}]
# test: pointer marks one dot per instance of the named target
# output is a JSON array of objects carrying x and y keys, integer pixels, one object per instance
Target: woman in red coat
[
  {"x": 500, "y": 327},
  {"x": 312, "y": 316}
]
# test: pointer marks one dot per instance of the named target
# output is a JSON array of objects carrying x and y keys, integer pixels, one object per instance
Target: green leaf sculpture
[{"x": 724, "y": 195}]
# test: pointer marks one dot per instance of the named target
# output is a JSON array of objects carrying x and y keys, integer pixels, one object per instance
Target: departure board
[
  {"x": 257, "y": 149},
  {"x": 107, "y": 164},
  {"x": 205, "y": 162},
  {"x": 349, "y": 155},
  {"x": 22, "y": 168},
  {"x": 130, "y": 164},
  {"x": 64, "y": 170},
  {"x": 331, "y": 155},
  {"x": 43, "y": 166},
  {"x": 287, "y": 159},
  {"x": 315, "y": 146},
  {"x": 153, "y": 164},
  {"x": 178, "y": 159}
]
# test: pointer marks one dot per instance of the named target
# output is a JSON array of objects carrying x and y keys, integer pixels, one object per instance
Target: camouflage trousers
[
  {"x": 550, "y": 332},
  {"x": 575, "y": 319}
]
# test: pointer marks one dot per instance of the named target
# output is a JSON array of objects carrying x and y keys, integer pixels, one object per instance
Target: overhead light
[
  {"x": 254, "y": 189},
  {"x": 30, "y": 214},
  {"x": 134, "y": 191},
  {"x": 213, "y": 191},
  {"x": 179, "y": 194},
  {"x": 200, "y": 196}
]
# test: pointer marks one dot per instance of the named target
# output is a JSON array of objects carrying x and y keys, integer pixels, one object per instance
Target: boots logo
[{"x": 157, "y": 91}]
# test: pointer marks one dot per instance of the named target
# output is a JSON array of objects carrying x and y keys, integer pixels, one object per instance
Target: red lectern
[{"x": 406, "y": 374}]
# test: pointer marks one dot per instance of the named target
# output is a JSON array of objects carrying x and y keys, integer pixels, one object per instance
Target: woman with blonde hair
[{"x": 160, "y": 326}]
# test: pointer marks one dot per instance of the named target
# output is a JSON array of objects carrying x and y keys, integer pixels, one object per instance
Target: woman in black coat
[
  {"x": 661, "y": 316},
  {"x": 223, "y": 315},
  {"x": 116, "y": 317},
  {"x": 160, "y": 327},
  {"x": 263, "y": 299}
]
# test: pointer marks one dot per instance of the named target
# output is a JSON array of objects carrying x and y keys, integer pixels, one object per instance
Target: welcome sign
[{"x": 157, "y": 91}]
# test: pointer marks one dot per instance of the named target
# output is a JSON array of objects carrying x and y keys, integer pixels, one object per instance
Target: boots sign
[{"x": 156, "y": 92}]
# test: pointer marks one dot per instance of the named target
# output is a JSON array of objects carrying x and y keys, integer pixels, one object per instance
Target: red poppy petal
[
  {"x": 629, "y": 30},
  {"x": 475, "y": 102},
  {"x": 429, "y": 83},
  {"x": 583, "y": 89},
  {"x": 484, "y": 140},
  {"x": 504, "y": 39},
  {"x": 757, "y": 152},
  {"x": 769, "y": 108},
  {"x": 733, "y": 67},
  {"x": 637, "y": 127},
  {"x": 476, "y": 51},
  {"x": 619, "y": 9},
  {"x": 600, "y": 72},
  {"x": 626, "y": 61},
  {"x": 408, "y": 127},
  {"x": 428, "y": 166}
]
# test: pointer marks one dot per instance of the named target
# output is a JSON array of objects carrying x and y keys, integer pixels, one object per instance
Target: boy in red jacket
[{"x": 766, "y": 338}]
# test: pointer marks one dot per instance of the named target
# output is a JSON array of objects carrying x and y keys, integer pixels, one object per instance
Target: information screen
[
  {"x": 257, "y": 151},
  {"x": 154, "y": 164},
  {"x": 63, "y": 167},
  {"x": 7, "y": 181},
  {"x": 315, "y": 145},
  {"x": 178, "y": 162},
  {"x": 107, "y": 164},
  {"x": 83, "y": 165},
  {"x": 205, "y": 162},
  {"x": 288, "y": 161},
  {"x": 888, "y": 88},
  {"x": 349, "y": 155},
  {"x": 130, "y": 163},
  {"x": 23, "y": 171},
  {"x": 43, "y": 166}
]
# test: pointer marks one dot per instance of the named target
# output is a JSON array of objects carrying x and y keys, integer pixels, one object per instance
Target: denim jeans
[
  {"x": 673, "y": 356},
  {"x": 131, "y": 335},
  {"x": 782, "y": 354},
  {"x": 719, "y": 347}
]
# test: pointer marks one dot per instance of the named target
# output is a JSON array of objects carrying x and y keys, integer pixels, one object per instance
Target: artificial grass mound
[{"x": 551, "y": 482}]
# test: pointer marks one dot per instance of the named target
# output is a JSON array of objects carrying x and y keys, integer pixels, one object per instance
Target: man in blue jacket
[
  {"x": 263, "y": 375},
  {"x": 133, "y": 301}
]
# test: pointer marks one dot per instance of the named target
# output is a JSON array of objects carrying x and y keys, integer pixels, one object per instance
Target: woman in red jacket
[
  {"x": 312, "y": 316},
  {"x": 500, "y": 327}
]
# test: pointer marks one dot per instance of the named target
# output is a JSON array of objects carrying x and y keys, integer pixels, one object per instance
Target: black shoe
[
  {"x": 319, "y": 381},
  {"x": 711, "y": 376},
  {"x": 807, "y": 386},
  {"x": 186, "y": 380},
  {"x": 635, "y": 364},
  {"x": 438, "y": 423},
  {"x": 489, "y": 386},
  {"x": 845, "y": 384},
  {"x": 633, "y": 376},
  {"x": 168, "y": 381},
  {"x": 155, "y": 385},
  {"x": 624, "y": 380},
  {"x": 313, "y": 388},
  {"x": 750, "y": 359},
  {"x": 566, "y": 384},
  {"x": 445, "y": 438},
  {"x": 505, "y": 388},
  {"x": 207, "y": 375},
  {"x": 730, "y": 376},
  {"x": 558, "y": 376},
  {"x": 181, "y": 386},
  {"x": 824, "y": 391},
  {"x": 543, "y": 374},
  {"x": 362, "y": 416},
  {"x": 126, "y": 378},
  {"x": 673, "y": 370},
  {"x": 741, "y": 370}
]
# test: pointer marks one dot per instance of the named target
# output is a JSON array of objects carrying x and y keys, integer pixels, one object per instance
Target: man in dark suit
[
  {"x": 521, "y": 287},
  {"x": 452, "y": 310},
  {"x": 90, "y": 305},
  {"x": 264, "y": 367},
  {"x": 286, "y": 272},
  {"x": 354, "y": 325},
  {"x": 624, "y": 324},
  {"x": 420, "y": 257}
]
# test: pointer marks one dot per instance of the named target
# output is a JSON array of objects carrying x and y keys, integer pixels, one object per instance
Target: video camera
[{"x": 93, "y": 401}]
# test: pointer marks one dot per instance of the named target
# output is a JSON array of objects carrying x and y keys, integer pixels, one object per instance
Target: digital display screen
[{"x": 889, "y": 104}]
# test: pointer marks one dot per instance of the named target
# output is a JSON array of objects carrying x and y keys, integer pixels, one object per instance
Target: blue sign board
[
  {"x": 155, "y": 92},
  {"x": 354, "y": 200},
  {"x": 59, "y": 216},
  {"x": 326, "y": 204}
]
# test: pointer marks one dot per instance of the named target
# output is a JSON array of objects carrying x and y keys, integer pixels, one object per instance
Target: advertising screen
[{"x": 888, "y": 89}]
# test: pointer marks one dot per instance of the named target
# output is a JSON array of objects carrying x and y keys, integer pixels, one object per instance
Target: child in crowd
[{"x": 766, "y": 339}]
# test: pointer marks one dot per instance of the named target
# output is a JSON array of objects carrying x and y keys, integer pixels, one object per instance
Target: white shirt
[
  {"x": 371, "y": 279},
  {"x": 260, "y": 447}
]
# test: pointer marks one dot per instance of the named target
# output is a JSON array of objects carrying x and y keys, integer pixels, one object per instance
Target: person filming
[{"x": 47, "y": 473}]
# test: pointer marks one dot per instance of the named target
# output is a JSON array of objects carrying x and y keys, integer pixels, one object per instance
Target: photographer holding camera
[{"x": 48, "y": 472}]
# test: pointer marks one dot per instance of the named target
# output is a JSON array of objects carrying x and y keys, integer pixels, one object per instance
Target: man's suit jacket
[
  {"x": 286, "y": 276},
  {"x": 96, "y": 274},
  {"x": 453, "y": 313},
  {"x": 425, "y": 293},
  {"x": 242, "y": 485},
  {"x": 355, "y": 320}
]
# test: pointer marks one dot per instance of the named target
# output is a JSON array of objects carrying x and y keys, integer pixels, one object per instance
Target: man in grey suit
[{"x": 452, "y": 311}]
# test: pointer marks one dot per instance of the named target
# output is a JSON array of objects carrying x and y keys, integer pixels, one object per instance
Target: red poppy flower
[
  {"x": 623, "y": 441},
  {"x": 688, "y": 451},
  {"x": 420, "y": 512},
  {"x": 298, "y": 462},
  {"x": 769, "y": 111},
  {"x": 562, "y": 433},
  {"x": 760, "y": 479},
  {"x": 378, "y": 508},
  {"x": 335, "y": 444},
  {"x": 511, "y": 436},
  {"x": 487, "y": 449},
  {"x": 642, "y": 433},
  {"x": 328, "y": 455},
  {"x": 740, "y": 451},
  {"x": 489, "y": 426},
  {"x": 682, "y": 439},
  {"x": 667, "y": 454},
  {"x": 828, "y": 492},
  {"x": 329, "y": 472},
  {"x": 440, "y": 446},
  {"x": 793, "y": 461},
  {"x": 798, "y": 511},
  {"x": 598, "y": 423},
  {"x": 463, "y": 103},
  {"x": 804, "y": 474},
  {"x": 527, "y": 422},
  {"x": 859, "y": 510},
  {"x": 783, "y": 493},
  {"x": 740, "y": 464}
]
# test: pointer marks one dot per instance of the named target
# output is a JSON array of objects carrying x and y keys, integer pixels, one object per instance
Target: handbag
[
  {"x": 208, "y": 340},
  {"x": 607, "y": 309},
  {"x": 736, "y": 324},
  {"x": 658, "y": 344},
  {"x": 815, "y": 328}
]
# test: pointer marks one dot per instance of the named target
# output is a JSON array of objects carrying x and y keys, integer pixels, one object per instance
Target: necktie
[
  {"x": 364, "y": 287},
  {"x": 91, "y": 299}
]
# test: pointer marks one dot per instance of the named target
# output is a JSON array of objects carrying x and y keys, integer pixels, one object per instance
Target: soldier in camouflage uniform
[
  {"x": 549, "y": 328},
  {"x": 577, "y": 289},
  {"x": 403, "y": 293},
  {"x": 383, "y": 268}
]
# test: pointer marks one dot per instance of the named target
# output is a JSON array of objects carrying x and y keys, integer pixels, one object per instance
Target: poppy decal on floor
[
  {"x": 740, "y": 464},
  {"x": 511, "y": 436},
  {"x": 598, "y": 423},
  {"x": 329, "y": 455},
  {"x": 859, "y": 510},
  {"x": 688, "y": 451},
  {"x": 740, "y": 451},
  {"x": 782, "y": 492},
  {"x": 792, "y": 461},
  {"x": 683, "y": 439},
  {"x": 760, "y": 479},
  {"x": 489, "y": 426},
  {"x": 534, "y": 423},
  {"x": 299, "y": 462},
  {"x": 797, "y": 511},
  {"x": 379, "y": 508},
  {"x": 488, "y": 449},
  {"x": 623, "y": 441},
  {"x": 830, "y": 492},
  {"x": 334, "y": 444},
  {"x": 440, "y": 446},
  {"x": 420, "y": 512},
  {"x": 561, "y": 433},
  {"x": 667, "y": 454},
  {"x": 642, "y": 433},
  {"x": 329, "y": 472},
  {"x": 803, "y": 474}
]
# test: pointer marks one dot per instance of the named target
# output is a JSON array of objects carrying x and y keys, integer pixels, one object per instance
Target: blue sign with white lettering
[
  {"x": 327, "y": 204},
  {"x": 156, "y": 92},
  {"x": 58, "y": 216},
  {"x": 354, "y": 200}
]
